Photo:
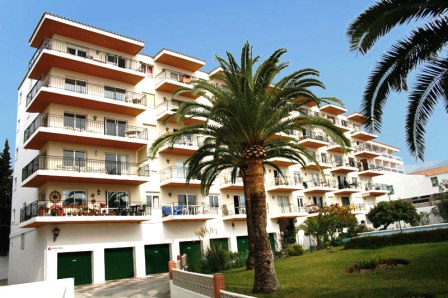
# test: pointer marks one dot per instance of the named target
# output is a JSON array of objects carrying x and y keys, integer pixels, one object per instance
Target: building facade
[{"x": 89, "y": 203}]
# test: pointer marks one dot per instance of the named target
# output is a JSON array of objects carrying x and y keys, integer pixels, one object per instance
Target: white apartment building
[{"x": 87, "y": 201}]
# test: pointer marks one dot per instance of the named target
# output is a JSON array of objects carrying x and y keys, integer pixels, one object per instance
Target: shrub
[
  {"x": 365, "y": 263},
  {"x": 398, "y": 239},
  {"x": 215, "y": 259},
  {"x": 237, "y": 260},
  {"x": 294, "y": 250}
]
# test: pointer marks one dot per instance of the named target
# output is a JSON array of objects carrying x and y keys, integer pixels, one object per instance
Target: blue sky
[{"x": 312, "y": 31}]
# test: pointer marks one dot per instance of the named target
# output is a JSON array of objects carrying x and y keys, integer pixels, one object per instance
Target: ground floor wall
[{"x": 39, "y": 259}]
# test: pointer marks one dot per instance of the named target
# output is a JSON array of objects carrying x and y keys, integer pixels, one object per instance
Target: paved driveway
[{"x": 157, "y": 285}]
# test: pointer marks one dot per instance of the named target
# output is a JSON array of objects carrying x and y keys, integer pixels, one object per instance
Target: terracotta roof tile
[{"x": 432, "y": 172}]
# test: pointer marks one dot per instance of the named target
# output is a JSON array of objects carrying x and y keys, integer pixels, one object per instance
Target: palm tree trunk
[
  {"x": 250, "y": 262},
  {"x": 265, "y": 277}
]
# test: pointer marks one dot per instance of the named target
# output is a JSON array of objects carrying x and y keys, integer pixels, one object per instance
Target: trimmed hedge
[{"x": 398, "y": 239}]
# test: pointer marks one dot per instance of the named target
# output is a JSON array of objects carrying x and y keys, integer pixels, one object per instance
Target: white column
[
  {"x": 175, "y": 249},
  {"x": 51, "y": 264},
  {"x": 233, "y": 244},
  {"x": 139, "y": 261},
  {"x": 98, "y": 266}
]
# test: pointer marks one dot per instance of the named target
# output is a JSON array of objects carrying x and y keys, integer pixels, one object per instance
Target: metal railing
[
  {"x": 228, "y": 179},
  {"x": 343, "y": 163},
  {"x": 82, "y": 165},
  {"x": 168, "y": 105},
  {"x": 331, "y": 183},
  {"x": 346, "y": 185},
  {"x": 73, "y": 207},
  {"x": 82, "y": 87},
  {"x": 319, "y": 159},
  {"x": 391, "y": 157},
  {"x": 87, "y": 53},
  {"x": 193, "y": 141},
  {"x": 376, "y": 186},
  {"x": 168, "y": 74},
  {"x": 85, "y": 125},
  {"x": 231, "y": 209},
  {"x": 283, "y": 181},
  {"x": 313, "y": 135},
  {"x": 189, "y": 209},
  {"x": 287, "y": 208},
  {"x": 360, "y": 148},
  {"x": 175, "y": 173}
]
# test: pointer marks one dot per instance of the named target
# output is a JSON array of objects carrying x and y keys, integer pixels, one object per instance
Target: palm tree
[
  {"x": 243, "y": 116},
  {"x": 425, "y": 46},
  {"x": 319, "y": 227}
]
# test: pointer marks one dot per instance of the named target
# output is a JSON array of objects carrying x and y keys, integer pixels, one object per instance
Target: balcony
[
  {"x": 61, "y": 54},
  {"x": 357, "y": 117},
  {"x": 57, "y": 168},
  {"x": 319, "y": 186},
  {"x": 78, "y": 93},
  {"x": 333, "y": 109},
  {"x": 375, "y": 190},
  {"x": 50, "y": 25},
  {"x": 313, "y": 140},
  {"x": 284, "y": 184},
  {"x": 185, "y": 145},
  {"x": 40, "y": 213},
  {"x": 169, "y": 81},
  {"x": 233, "y": 213},
  {"x": 176, "y": 177},
  {"x": 227, "y": 184},
  {"x": 366, "y": 152},
  {"x": 175, "y": 212},
  {"x": 344, "y": 167},
  {"x": 169, "y": 107},
  {"x": 360, "y": 134},
  {"x": 283, "y": 162},
  {"x": 347, "y": 188},
  {"x": 48, "y": 127},
  {"x": 371, "y": 171},
  {"x": 178, "y": 60},
  {"x": 286, "y": 211},
  {"x": 336, "y": 148},
  {"x": 324, "y": 164},
  {"x": 341, "y": 124}
]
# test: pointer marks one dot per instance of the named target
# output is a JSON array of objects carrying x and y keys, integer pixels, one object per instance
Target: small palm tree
[
  {"x": 319, "y": 227},
  {"x": 427, "y": 45},
  {"x": 243, "y": 117}
]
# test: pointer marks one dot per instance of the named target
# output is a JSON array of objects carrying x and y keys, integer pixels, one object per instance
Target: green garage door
[
  {"x": 223, "y": 242},
  {"x": 272, "y": 241},
  {"x": 77, "y": 265},
  {"x": 193, "y": 250},
  {"x": 157, "y": 258},
  {"x": 119, "y": 263},
  {"x": 242, "y": 243}
]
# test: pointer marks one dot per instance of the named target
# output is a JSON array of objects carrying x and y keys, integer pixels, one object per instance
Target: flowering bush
[{"x": 103, "y": 205}]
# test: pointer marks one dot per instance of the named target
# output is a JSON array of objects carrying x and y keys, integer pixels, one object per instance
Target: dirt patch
[{"x": 364, "y": 267}]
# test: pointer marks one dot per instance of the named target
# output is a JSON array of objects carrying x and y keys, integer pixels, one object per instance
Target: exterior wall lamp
[{"x": 56, "y": 232}]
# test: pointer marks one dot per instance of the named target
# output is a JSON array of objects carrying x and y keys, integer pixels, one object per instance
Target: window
[
  {"x": 115, "y": 127},
  {"x": 75, "y": 85},
  {"x": 15, "y": 183},
  {"x": 324, "y": 157},
  {"x": 74, "y": 158},
  {"x": 22, "y": 241},
  {"x": 434, "y": 181},
  {"x": 74, "y": 121},
  {"x": 116, "y": 164},
  {"x": 214, "y": 200},
  {"x": 300, "y": 201},
  {"x": 17, "y": 153},
  {"x": 116, "y": 60},
  {"x": 20, "y": 97},
  {"x": 338, "y": 160},
  {"x": 391, "y": 189},
  {"x": 77, "y": 51},
  {"x": 345, "y": 201},
  {"x": 74, "y": 197},
  {"x": 13, "y": 216},
  {"x": 186, "y": 199},
  {"x": 297, "y": 178},
  {"x": 283, "y": 204},
  {"x": 114, "y": 93},
  {"x": 117, "y": 200},
  {"x": 240, "y": 204},
  {"x": 318, "y": 202},
  {"x": 152, "y": 200}
]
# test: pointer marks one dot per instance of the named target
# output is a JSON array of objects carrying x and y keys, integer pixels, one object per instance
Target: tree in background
[
  {"x": 441, "y": 201},
  {"x": 5, "y": 198},
  {"x": 386, "y": 213},
  {"x": 342, "y": 218},
  {"x": 426, "y": 45}
]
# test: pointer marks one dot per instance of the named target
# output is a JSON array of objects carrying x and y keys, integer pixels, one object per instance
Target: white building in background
[{"x": 89, "y": 204}]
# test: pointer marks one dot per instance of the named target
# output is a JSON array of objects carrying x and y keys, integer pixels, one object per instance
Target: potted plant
[{"x": 40, "y": 212}]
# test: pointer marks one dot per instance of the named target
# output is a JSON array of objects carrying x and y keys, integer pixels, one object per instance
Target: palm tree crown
[
  {"x": 246, "y": 115},
  {"x": 424, "y": 46}
]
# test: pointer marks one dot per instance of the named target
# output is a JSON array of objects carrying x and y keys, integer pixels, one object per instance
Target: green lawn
[{"x": 320, "y": 274}]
